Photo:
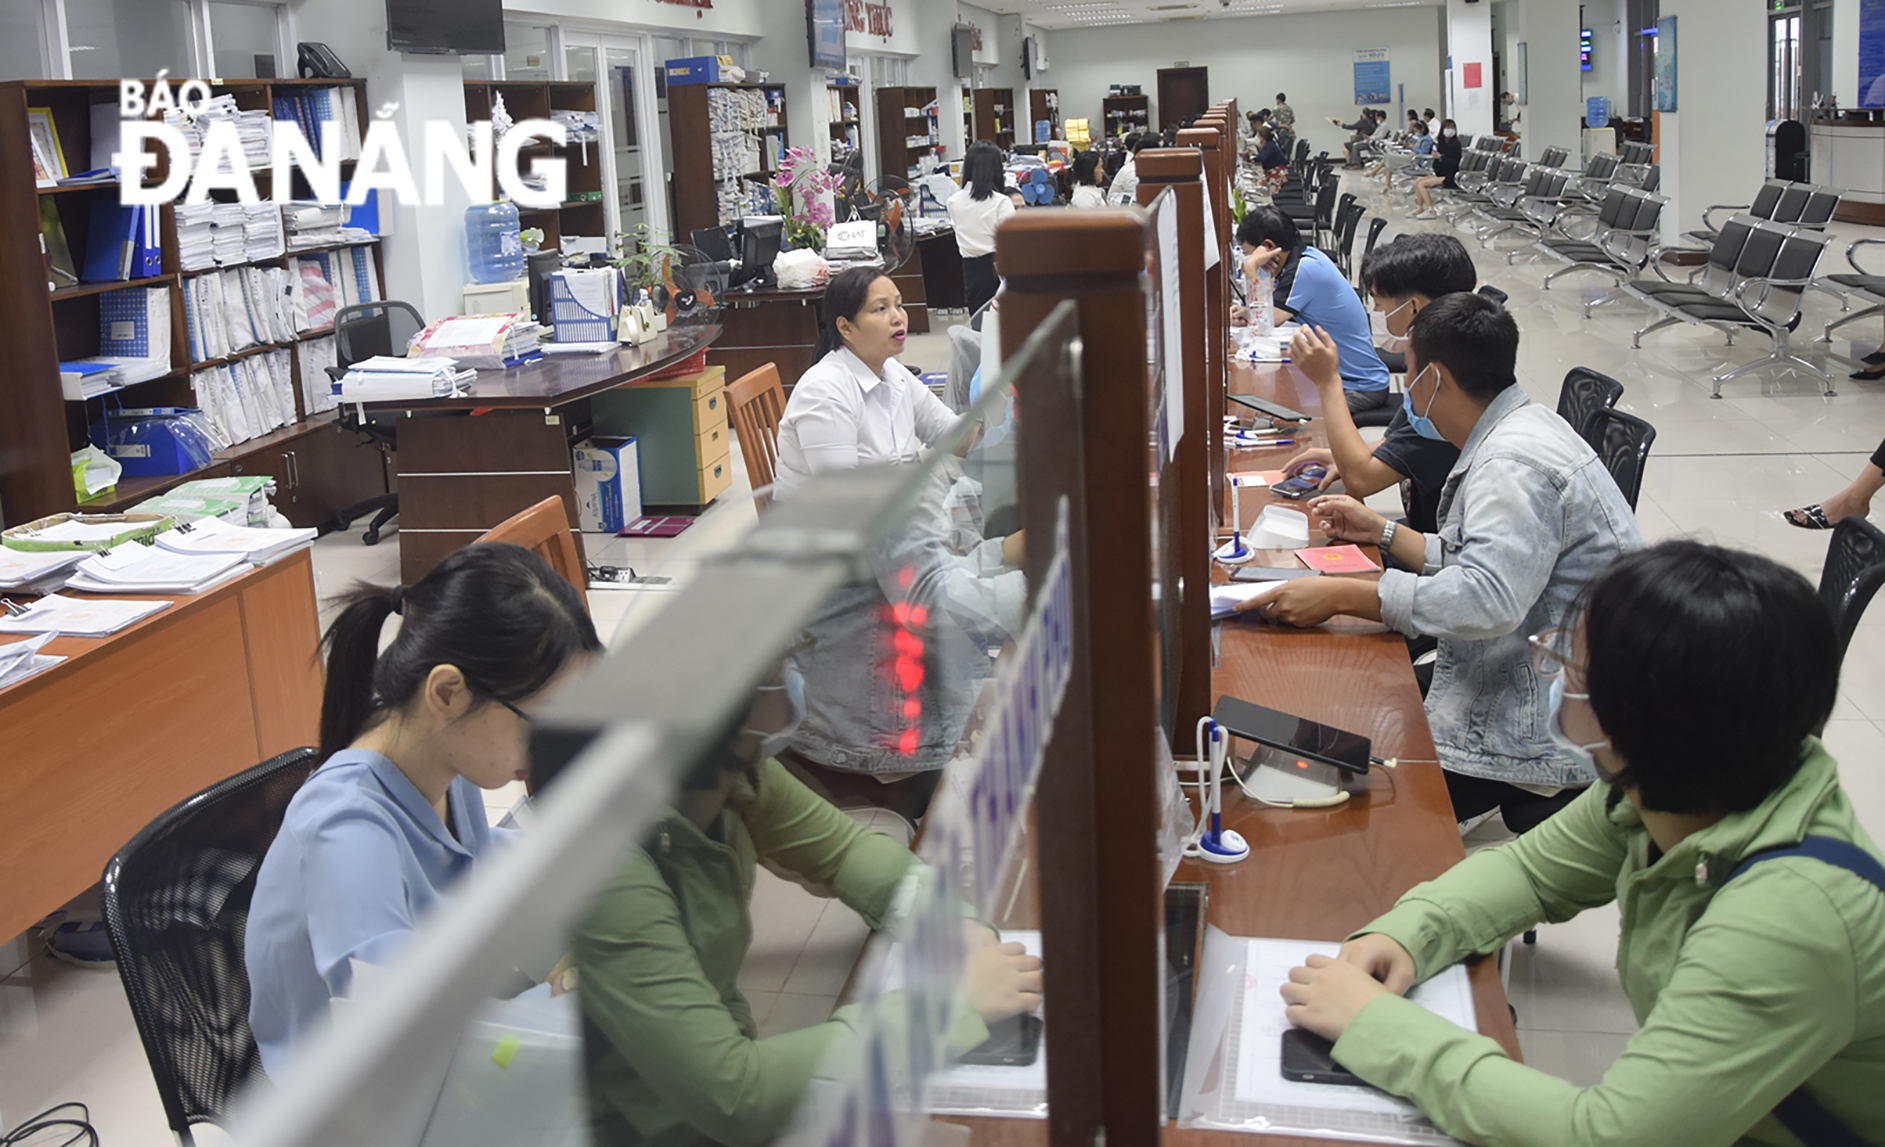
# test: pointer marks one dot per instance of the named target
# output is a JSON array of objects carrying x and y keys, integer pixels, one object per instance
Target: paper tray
[{"x": 136, "y": 526}]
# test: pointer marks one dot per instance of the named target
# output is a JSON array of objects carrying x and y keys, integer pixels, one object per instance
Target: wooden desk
[
  {"x": 942, "y": 270},
  {"x": 769, "y": 325},
  {"x": 459, "y": 476},
  {"x": 130, "y": 724}
]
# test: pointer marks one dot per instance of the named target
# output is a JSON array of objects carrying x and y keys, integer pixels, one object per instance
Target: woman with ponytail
[{"x": 411, "y": 735}]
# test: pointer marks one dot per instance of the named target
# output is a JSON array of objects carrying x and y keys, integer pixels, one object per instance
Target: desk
[
  {"x": 131, "y": 724},
  {"x": 942, "y": 270},
  {"x": 459, "y": 476}
]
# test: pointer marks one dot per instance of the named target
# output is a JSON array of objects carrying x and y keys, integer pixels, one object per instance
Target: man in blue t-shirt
[{"x": 1313, "y": 290}]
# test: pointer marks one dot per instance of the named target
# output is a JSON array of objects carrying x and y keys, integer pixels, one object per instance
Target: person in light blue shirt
[
  {"x": 1312, "y": 289},
  {"x": 394, "y": 817}
]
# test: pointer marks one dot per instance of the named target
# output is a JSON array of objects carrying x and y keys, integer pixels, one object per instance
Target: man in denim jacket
[{"x": 1527, "y": 516}]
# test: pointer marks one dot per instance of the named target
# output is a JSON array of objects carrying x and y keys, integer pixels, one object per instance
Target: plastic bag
[
  {"x": 801, "y": 270},
  {"x": 93, "y": 472}
]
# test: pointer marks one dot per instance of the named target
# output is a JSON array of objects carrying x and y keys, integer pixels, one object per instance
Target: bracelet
[{"x": 1387, "y": 535}]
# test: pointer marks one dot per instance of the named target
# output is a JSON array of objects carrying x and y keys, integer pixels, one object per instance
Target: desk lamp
[{"x": 1212, "y": 843}]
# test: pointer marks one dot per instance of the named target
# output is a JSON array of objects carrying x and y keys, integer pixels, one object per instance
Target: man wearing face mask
[
  {"x": 1403, "y": 277},
  {"x": 674, "y": 1053},
  {"x": 1527, "y": 516}
]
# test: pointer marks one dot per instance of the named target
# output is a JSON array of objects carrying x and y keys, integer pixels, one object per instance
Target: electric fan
[{"x": 690, "y": 286}]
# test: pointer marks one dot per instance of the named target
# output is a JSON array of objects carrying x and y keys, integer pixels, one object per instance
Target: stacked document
[
  {"x": 91, "y": 535},
  {"x": 138, "y": 568},
  {"x": 214, "y": 536},
  {"x": 80, "y": 617},
  {"x": 246, "y": 398},
  {"x": 35, "y": 570},
  {"x": 229, "y": 311},
  {"x": 383, "y": 377},
  {"x": 313, "y": 224},
  {"x": 83, "y": 379},
  {"x": 22, "y": 659},
  {"x": 256, "y": 488},
  {"x": 314, "y": 356},
  {"x": 485, "y": 342},
  {"x": 196, "y": 224},
  {"x": 262, "y": 236}
]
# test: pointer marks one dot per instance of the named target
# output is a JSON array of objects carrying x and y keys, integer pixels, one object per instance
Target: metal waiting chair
[
  {"x": 1583, "y": 394},
  {"x": 1861, "y": 284},
  {"x": 1622, "y": 443},
  {"x": 363, "y": 331},
  {"x": 1623, "y": 250},
  {"x": 176, "y": 907},
  {"x": 1854, "y": 570}
]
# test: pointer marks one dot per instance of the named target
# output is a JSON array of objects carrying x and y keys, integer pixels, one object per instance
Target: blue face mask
[
  {"x": 1422, "y": 424},
  {"x": 1582, "y": 755}
]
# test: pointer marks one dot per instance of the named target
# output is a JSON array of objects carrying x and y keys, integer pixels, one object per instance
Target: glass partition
[{"x": 778, "y": 874}]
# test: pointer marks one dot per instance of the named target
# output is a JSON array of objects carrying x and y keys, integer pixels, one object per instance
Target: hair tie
[{"x": 397, "y": 599}]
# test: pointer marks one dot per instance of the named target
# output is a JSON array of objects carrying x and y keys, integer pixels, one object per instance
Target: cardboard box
[
  {"x": 695, "y": 69},
  {"x": 608, "y": 483}
]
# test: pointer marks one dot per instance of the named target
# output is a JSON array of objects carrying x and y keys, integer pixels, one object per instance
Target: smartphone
[
  {"x": 1274, "y": 410},
  {"x": 1323, "y": 743},
  {"x": 1306, "y": 482},
  {"x": 1013, "y": 1042},
  {"x": 1270, "y": 573},
  {"x": 1308, "y": 1058}
]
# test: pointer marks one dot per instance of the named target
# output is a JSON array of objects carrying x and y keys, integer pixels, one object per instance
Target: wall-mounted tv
[
  {"x": 1583, "y": 50},
  {"x": 824, "y": 25},
  {"x": 446, "y": 27}
]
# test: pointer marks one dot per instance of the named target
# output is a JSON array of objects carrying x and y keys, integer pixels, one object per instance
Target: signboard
[
  {"x": 1871, "y": 53},
  {"x": 1372, "y": 82},
  {"x": 1666, "y": 64}
]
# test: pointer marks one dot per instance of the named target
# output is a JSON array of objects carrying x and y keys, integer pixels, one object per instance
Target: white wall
[
  {"x": 1714, "y": 145},
  {"x": 725, "y": 18},
  {"x": 1609, "y": 74},
  {"x": 1846, "y": 52},
  {"x": 1309, "y": 57},
  {"x": 1551, "y": 116},
  {"x": 1469, "y": 41}
]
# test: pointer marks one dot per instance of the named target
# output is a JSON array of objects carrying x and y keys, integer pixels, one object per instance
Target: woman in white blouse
[
  {"x": 857, "y": 406},
  {"x": 976, "y": 212}
]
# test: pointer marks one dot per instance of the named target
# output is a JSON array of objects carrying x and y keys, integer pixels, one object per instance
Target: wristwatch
[{"x": 1387, "y": 535}]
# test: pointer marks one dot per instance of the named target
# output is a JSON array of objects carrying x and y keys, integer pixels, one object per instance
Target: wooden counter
[{"x": 130, "y": 724}]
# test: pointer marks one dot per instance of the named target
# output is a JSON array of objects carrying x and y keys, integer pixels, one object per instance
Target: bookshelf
[
  {"x": 846, "y": 117},
  {"x": 317, "y": 465},
  {"x": 581, "y": 212},
  {"x": 995, "y": 116},
  {"x": 1044, "y": 104},
  {"x": 907, "y": 128},
  {"x": 727, "y": 140},
  {"x": 1121, "y": 114}
]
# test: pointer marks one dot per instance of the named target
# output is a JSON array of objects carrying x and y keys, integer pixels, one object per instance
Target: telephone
[{"x": 318, "y": 61}]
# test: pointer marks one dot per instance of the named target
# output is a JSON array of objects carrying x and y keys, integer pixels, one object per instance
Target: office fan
[
  {"x": 691, "y": 286},
  {"x": 892, "y": 203},
  {"x": 1037, "y": 187}
]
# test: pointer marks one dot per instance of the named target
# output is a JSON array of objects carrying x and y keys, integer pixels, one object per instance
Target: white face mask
[
  {"x": 1384, "y": 338},
  {"x": 1449, "y": 132},
  {"x": 1582, "y": 755}
]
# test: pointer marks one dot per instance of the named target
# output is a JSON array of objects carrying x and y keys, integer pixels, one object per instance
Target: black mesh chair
[
  {"x": 1584, "y": 393},
  {"x": 1622, "y": 443},
  {"x": 363, "y": 331},
  {"x": 176, "y": 906},
  {"x": 1854, "y": 569}
]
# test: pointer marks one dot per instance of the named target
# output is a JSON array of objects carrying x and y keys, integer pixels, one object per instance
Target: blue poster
[
  {"x": 1666, "y": 64},
  {"x": 1373, "y": 85},
  {"x": 1871, "y": 53}
]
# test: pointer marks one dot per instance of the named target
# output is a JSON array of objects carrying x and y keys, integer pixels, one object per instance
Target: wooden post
[
  {"x": 1216, "y": 300},
  {"x": 1101, "y": 911},
  {"x": 1181, "y": 170}
]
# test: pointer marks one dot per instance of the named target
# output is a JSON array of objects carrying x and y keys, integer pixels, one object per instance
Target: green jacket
[
  {"x": 1742, "y": 993},
  {"x": 660, "y": 952}
]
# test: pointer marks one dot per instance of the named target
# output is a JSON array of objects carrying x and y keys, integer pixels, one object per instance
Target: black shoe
[
  {"x": 1876, "y": 358},
  {"x": 1873, "y": 375}
]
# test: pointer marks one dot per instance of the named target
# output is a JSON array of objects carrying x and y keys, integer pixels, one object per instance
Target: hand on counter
[
  {"x": 1001, "y": 980},
  {"x": 1307, "y": 601},
  {"x": 1327, "y": 994},
  {"x": 1313, "y": 352}
]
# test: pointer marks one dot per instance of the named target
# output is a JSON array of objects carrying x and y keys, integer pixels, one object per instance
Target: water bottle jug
[
  {"x": 495, "y": 243},
  {"x": 1262, "y": 304}
]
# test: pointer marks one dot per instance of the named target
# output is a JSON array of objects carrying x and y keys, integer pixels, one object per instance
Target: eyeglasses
[
  {"x": 529, "y": 720},
  {"x": 1551, "y": 651}
]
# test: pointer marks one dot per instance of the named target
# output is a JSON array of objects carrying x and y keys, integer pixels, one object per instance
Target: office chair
[
  {"x": 1854, "y": 570},
  {"x": 756, "y": 402},
  {"x": 1584, "y": 393},
  {"x": 1622, "y": 443},
  {"x": 362, "y": 331},
  {"x": 176, "y": 906},
  {"x": 544, "y": 530}
]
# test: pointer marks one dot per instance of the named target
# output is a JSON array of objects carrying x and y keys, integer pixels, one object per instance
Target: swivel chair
[{"x": 363, "y": 331}]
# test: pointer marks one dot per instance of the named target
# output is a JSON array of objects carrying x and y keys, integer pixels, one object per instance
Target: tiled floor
[{"x": 1720, "y": 469}]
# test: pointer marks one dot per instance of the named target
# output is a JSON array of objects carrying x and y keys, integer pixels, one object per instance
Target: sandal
[{"x": 1808, "y": 518}]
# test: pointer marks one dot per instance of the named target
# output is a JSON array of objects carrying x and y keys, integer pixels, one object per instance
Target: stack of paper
[
  {"x": 135, "y": 568},
  {"x": 22, "y": 659},
  {"x": 256, "y": 488},
  {"x": 384, "y": 378},
  {"x": 196, "y": 248},
  {"x": 80, "y": 617},
  {"x": 486, "y": 342},
  {"x": 247, "y": 398},
  {"x": 86, "y": 379},
  {"x": 193, "y": 507},
  {"x": 312, "y": 224},
  {"x": 37, "y": 571},
  {"x": 213, "y": 536},
  {"x": 262, "y": 236},
  {"x": 92, "y": 535}
]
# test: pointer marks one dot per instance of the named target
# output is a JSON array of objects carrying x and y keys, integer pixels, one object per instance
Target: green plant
[
  {"x": 1238, "y": 206},
  {"x": 641, "y": 253}
]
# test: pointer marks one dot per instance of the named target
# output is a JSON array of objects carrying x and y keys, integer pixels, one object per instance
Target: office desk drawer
[
  {"x": 711, "y": 444},
  {"x": 715, "y": 477},
  {"x": 710, "y": 407}
]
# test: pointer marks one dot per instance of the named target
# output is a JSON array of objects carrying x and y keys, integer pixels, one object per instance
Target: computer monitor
[
  {"x": 539, "y": 266},
  {"x": 713, "y": 243},
  {"x": 759, "y": 246}
]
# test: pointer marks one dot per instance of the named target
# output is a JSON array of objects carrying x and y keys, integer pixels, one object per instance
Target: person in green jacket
[
  {"x": 674, "y": 1054},
  {"x": 1693, "y": 682}
]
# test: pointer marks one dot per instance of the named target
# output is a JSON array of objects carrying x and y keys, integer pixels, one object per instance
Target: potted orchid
[{"x": 800, "y": 189}]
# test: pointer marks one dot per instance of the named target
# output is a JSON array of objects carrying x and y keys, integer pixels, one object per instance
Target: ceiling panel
[{"x": 1105, "y": 13}]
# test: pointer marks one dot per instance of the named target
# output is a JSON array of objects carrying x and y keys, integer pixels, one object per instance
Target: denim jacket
[{"x": 1527, "y": 517}]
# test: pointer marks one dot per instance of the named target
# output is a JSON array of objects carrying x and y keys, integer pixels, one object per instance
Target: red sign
[
  {"x": 688, "y": 3},
  {"x": 1472, "y": 75},
  {"x": 864, "y": 16}
]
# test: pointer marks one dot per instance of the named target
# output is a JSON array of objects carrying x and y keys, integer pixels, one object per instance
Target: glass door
[
  {"x": 1785, "y": 97},
  {"x": 634, "y": 187}
]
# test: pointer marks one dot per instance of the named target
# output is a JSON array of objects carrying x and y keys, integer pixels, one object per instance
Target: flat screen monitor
[
  {"x": 824, "y": 22},
  {"x": 962, "y": 51},
  {"x": 759, "y": 246},
  {"x": 447, "y": 27},
  {"x": 713, "y": 242}
]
